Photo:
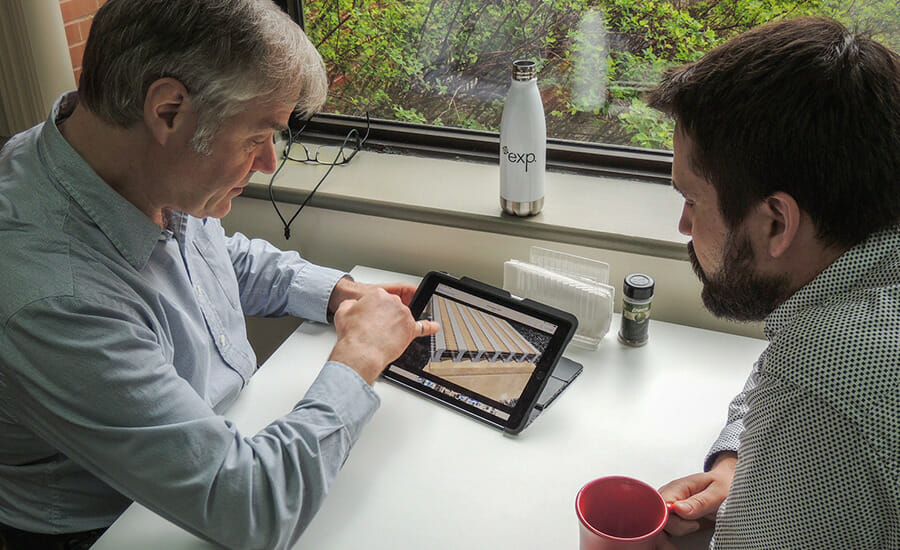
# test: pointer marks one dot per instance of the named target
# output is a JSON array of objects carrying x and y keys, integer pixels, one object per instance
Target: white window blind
[{"x": 35, "y": 66}]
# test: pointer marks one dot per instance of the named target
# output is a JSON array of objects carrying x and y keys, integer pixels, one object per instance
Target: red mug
[{"x": 618, "y": 513}]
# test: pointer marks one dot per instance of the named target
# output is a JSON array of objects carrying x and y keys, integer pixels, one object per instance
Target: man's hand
[
  {"x": 348, "y": 289},
  {"x": 374, "y": 329},
  {"x": 696, "y": 498}
]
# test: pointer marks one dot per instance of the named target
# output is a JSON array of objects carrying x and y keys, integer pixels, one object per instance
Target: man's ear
[
  {"x": 168, "y": 112},
  {"x": 782, "y": 222}
]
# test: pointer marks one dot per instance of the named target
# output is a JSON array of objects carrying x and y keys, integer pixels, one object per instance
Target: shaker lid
[
  {"x": 638, "y": 286},
  {"x": 524, "y": 69}
]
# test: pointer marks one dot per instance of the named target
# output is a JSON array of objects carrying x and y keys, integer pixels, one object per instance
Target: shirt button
[
  {"x": 222, "y": 340},
  {"x": 199, "y": 290}
]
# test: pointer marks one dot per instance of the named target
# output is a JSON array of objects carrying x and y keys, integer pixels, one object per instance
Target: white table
[{"x": 425, "y": 477}]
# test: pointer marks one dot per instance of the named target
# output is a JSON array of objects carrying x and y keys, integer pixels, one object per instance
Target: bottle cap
[
  {"x": 524, "y": 69},
  {"x": 638, "y": 286}
]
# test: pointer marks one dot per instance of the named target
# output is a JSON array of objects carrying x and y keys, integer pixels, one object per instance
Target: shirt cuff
[
  {"x": 729, "y": 440},
  {"x": 329, "y": 318},
  {"x": 352, "y": 399},
  {"x": 310, "y": 291}
]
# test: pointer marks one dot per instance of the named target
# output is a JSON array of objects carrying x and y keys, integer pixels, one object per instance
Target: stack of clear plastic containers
[{"x": 568, "y": 282}]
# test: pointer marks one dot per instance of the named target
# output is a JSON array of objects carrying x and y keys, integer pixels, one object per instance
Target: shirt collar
[
  {"x": 132, "y": 233},
  {"x": 852, "y": 269}
]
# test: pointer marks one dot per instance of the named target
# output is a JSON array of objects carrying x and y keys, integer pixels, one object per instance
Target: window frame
[{"x": 651, "y": 165}]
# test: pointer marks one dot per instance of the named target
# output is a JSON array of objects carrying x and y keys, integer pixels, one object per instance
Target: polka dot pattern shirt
[{"x": 817, "y": 426}]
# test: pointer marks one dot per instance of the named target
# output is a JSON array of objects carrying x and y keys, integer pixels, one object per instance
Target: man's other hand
[
  {"x": 348, "y": 289},
  {"x": 696, "y": 498}
]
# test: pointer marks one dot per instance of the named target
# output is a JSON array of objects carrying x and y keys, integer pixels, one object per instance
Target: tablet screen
[{"x": 486, "y": 356}]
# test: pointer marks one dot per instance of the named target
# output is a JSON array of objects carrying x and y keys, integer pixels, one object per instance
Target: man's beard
[{"x": 737, "y": 292}]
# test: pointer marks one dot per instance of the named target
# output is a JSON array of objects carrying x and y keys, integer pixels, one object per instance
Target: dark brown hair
[{"x": 802, "y": 106}]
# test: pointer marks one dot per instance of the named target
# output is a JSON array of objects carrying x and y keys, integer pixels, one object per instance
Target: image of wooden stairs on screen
[
  {"x": 479, "y": 351},
  {"x": 468, "y": 333}
]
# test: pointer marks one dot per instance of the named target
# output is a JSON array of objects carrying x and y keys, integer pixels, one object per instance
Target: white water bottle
[{"x": 523, "y": 144}]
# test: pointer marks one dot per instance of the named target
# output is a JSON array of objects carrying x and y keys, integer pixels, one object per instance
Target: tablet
[{"x": 493, "y": 355}]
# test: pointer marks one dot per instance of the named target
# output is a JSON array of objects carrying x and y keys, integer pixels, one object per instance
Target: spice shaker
[{"x": 637, "y": 293}]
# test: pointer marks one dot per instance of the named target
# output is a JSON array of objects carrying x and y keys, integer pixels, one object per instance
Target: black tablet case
[{"x": 563, "y": 372}]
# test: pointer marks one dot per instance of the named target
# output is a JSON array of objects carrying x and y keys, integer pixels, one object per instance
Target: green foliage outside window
[{"x": 447, "y": 62}]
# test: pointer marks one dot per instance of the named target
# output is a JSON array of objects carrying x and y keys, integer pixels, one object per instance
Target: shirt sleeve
[
  {"x": 275, "y": 283},
  {"x": 730, "y": 437},
  {"x": 790, "y": 490},
  {"x": 92, "y": 380}
]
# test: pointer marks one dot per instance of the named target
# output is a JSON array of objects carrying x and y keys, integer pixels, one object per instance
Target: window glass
[{"x": 448, "y": 62}]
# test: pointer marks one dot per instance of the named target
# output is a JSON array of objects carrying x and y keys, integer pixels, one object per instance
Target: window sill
[
  {"x": 594, "y": 211},
  {"x": 415, "y": 214}
]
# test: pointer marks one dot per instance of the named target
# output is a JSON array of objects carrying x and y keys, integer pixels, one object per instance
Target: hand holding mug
[{"x": 696, "y": 498}]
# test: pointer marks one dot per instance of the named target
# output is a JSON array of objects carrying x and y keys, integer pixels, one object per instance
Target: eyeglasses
[{"x": 352, "y": 143}]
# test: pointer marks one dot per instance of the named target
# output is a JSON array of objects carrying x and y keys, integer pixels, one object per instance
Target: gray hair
[{"x": 225, "y": 52}]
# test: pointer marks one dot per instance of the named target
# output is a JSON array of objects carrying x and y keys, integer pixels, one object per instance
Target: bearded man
[{"x": 787, "y": 153}]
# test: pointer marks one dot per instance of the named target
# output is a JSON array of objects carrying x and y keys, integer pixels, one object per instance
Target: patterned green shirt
[{"x": 817, "y": 427}]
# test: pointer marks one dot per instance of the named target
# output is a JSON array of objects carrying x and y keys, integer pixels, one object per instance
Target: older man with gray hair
[{"x": 122, "y": 301}]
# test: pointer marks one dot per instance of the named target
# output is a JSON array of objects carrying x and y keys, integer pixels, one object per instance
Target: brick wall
[{"x": 77, "y": 16}]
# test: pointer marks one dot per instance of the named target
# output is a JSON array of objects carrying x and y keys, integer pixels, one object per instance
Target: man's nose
[
  {"x": 684, "y": 224},
  {"x": 265, "y": 160}
]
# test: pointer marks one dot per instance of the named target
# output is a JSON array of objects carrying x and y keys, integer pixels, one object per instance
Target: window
[{"x": 440, "y": 68}]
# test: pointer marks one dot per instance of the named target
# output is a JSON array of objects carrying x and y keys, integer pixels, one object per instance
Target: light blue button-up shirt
[{"x": 120, "y": 345}]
